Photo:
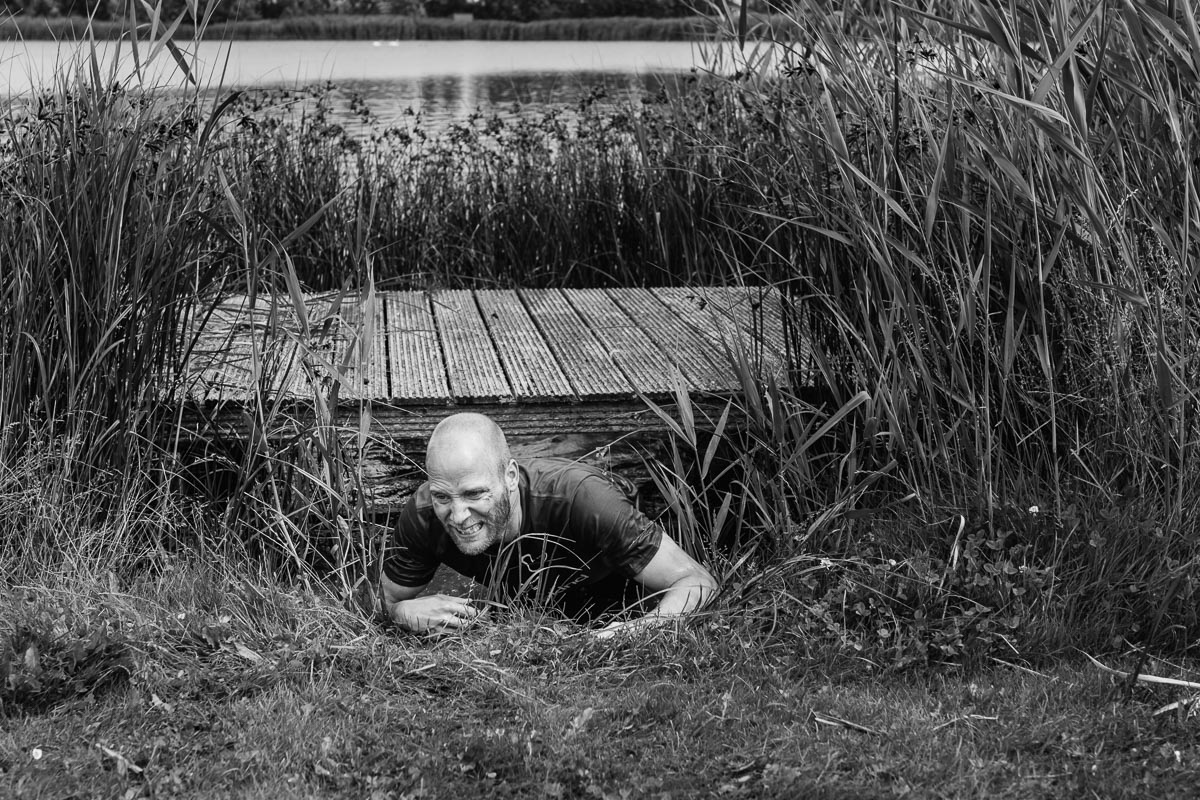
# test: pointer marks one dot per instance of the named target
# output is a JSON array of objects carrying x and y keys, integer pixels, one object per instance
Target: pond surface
[{"x": 443, "y": 80}]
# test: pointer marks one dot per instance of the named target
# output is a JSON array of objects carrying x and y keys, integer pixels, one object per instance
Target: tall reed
[
  {"x": 988, "y": 212},
  {"x": 104, "y": 242},
  {"x": 381, "y": 26},
  {"x": 120, "y": 237}
]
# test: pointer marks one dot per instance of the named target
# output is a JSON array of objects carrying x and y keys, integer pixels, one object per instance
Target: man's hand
[{"x": 435, "y": 612}]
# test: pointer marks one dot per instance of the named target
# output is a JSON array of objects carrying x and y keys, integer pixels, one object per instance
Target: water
[{"x": 443, "y": 80}]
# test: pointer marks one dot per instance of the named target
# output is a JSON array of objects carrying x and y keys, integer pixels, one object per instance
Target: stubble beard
[{"x": 494, "y": 526}]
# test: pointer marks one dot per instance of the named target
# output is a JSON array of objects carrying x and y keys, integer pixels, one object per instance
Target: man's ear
[{"x": 512, "y": 475}]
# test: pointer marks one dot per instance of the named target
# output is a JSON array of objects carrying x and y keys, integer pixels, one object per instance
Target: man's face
[{"x": 473, "y": 506}]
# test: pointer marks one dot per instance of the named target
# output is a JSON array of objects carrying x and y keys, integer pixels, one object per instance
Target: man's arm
[
  {"x": 421, "y": 614},
  {"x": 679, "y": 582},
  {"x": 409, "y": 559}
]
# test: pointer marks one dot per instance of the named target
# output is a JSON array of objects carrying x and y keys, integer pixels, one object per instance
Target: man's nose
[{"x": 459, "y": 512}]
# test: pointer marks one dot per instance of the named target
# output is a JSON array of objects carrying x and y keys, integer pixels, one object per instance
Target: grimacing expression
[{"x": 474, "y": 508}]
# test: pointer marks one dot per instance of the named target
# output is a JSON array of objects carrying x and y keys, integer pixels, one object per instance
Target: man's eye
[
  {"x": 475, "y": 495},
  {"x": 441, "y": 498}
]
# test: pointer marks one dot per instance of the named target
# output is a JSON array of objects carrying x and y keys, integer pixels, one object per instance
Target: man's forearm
[{"x": 677, "y": 600}]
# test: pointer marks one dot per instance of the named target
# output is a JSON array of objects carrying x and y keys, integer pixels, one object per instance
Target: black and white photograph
[{"x": 599, "y": 399}]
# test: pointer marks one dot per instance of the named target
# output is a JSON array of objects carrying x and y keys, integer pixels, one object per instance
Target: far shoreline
[{"x": 384, "y": 27}]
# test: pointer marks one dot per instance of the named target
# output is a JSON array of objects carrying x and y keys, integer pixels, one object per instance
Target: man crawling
[{"x": 543, "y": 531}]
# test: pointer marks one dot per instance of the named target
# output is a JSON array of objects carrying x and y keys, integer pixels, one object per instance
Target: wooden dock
[{"x": 550, "y": 365}]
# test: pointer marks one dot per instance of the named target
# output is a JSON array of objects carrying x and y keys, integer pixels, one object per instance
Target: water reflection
[
  {"x": 440, "y": 81},
  {"x": 440, "y": 99}
]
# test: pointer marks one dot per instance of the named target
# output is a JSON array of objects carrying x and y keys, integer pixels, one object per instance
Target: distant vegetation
[
  {"x": 656, "y": 20},
  {"x": 246, "y": 10},
  {"x": 625, "y": 20},
  {"x": 374, "y": 27}
]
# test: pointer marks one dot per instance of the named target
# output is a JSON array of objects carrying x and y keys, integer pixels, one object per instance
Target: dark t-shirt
[{"x": 581, "y": 541}]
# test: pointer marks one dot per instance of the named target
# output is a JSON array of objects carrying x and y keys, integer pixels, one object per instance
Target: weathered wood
[
  {"x": 335, "y": 343},
  {"x": 417, "y": 372},
  {"x": 532, "y": 370},
  {"x": 358, "y": 351},
  {"x": 536, "y": 346},
  {"x": 215, "y": 357},
  {"x": 582, "y": 357},
  {"x": 392, "y": 474},
  {"x": 575, "y": 359},
  {"x": 638, "y": 357},
  {"x": 691, "y": 352},
  {"x": 242, "y": 349},
  {"x": 471, "y": 363},
  {"x": 734, "y": 319},
  {"x": 757, "y": 309},
  {"x": 413, "y": 424}
]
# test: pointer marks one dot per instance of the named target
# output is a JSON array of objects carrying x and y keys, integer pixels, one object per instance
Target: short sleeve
[
  {"x": 626, "y": 537},
  {"x": 410, "y": 558}
]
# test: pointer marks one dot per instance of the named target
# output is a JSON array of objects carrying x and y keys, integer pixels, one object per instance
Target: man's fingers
[
  {"x": 455, "y": 606},
  {"x": 435, "y": 623},
  {"x": 468, "y": 611},
  {"x": 436, "y": 612},
  {"x": 459, "y": 610},
  {"x": 452, "y": 613}
]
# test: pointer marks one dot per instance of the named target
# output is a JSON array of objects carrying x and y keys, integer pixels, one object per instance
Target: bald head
[
  {"x": 473, "y": 482},
  {"x": 465, "y": 442}
]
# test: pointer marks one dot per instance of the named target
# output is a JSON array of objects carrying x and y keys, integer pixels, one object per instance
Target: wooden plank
[
  {"x": 213, "y": 372},
  {"x": 608, "y": 434},
  {"x": 327, "y": 340},
  {"x": 207, "y": 345},
  {"x": 538, "y": 345},
  {"x": 416, "y": 369},
  {"x": 704, "y": 369},
  {"x": 316, "y": 346},
  {"x": 531, "y": 368},
  {"x": 757, "y": 309},
  {"x": 237, "y": 347},
  {"x": 343, "y": 343},
  {"x": 748, "y": 318},
  {"x": 642, "y": 361},
  {"x": 582, "y": 357},
  {"x": 414, "y": 422},
  {"x": 474, "y": 370},
  {"x": 373, "y": 365}
]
